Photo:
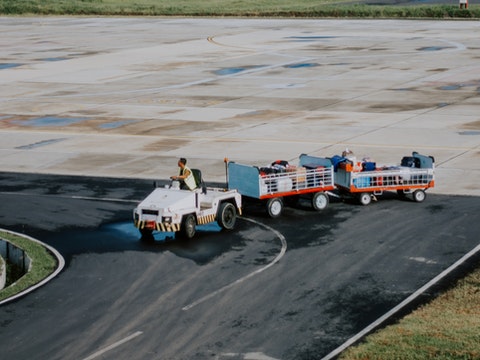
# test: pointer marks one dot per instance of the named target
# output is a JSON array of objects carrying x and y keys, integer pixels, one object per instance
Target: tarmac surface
[
  {"x": 125, "y": 97},
  {"x": 294, "y": 288}
]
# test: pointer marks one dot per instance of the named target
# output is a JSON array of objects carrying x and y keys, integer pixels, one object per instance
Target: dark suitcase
[{"x": 410, "y": 161}]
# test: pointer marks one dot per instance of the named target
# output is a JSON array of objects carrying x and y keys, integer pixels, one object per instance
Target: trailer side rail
[{"x": 299, "y": 181}]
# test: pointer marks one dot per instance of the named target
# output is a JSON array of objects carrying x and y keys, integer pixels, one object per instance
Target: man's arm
[{"x": 186, "y": 173}]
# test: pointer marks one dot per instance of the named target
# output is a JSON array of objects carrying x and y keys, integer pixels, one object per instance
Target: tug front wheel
[
  {"x": 147, "y": 234},
  {"x": 187, "y": 229}
]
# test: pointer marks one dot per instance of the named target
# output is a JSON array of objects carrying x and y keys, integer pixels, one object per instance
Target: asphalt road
[{"x": 216, "y": 296}]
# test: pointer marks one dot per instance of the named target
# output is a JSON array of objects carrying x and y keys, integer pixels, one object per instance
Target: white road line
[
  {"x": 71, "y": 197},
  {"x": 256, "y": 272},
  {"x": 404, "y": 303},
  {"x": 113, "y": 346},
  {"x": 100, "y": 199}
]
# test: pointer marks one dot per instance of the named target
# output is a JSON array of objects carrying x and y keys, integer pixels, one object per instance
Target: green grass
[
  {"x": 245, "y": 8},
  {"x": 43, "y": 264},
  {"x": 447, "y": 328}
]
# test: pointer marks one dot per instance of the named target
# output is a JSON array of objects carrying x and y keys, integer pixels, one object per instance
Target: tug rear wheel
[{"x": 226, "y": 216}]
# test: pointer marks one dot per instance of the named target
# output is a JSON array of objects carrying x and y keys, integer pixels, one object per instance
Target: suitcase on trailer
[{"x": 410, "y": 161}]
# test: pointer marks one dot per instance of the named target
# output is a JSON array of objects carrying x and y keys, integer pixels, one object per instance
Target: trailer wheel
[
  {"x": 274, "y": 207},
  {"x": 319, "y": 201},
  {"x": 419, "y": 195},
  {"x": 226, "y": 216},
  {"x": 187, "y": 229},
  {"x": 365, "y": 198}
]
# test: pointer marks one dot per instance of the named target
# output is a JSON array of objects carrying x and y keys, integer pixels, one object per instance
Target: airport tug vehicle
[
  {"x": 171, "y": 209},
  {"x": 282, "y": 182},
  {"x": 364, "y": 180}
]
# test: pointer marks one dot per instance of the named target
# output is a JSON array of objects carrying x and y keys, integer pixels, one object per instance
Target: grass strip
[
  {"x": 43, "y": 263},
  {"x": 446, "y": 328},
  {"x": 237, "y": 8}
]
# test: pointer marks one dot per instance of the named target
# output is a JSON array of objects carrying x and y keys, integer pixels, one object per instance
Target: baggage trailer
[
  {"x": 313, "y": 177},
  {"x": 414, "y": 176}
]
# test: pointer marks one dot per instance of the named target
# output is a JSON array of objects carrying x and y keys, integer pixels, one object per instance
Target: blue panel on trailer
[{"x": 245, "y": 179}]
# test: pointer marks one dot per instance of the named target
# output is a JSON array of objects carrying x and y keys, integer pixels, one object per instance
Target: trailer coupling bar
[{"x": 333, "y": 194}]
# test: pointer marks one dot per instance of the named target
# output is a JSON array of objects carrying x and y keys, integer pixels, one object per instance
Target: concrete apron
[{"x": 131, "y": 99}]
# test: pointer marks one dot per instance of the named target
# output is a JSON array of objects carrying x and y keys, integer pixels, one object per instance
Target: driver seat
[{"x": 197, "y": 175}]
